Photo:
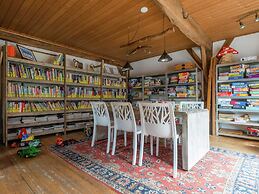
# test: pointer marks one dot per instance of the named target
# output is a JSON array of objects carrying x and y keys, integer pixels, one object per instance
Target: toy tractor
[{"x": 28, "y": 152}]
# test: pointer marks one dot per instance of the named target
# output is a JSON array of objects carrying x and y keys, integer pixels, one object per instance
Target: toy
[
  {"x": 31, "y": 151},
  {"x": 22, "y": 133},
  {"x": 59, "y": 141},
  {"x": 27, "y": 138},
  {"x": 34, "y": 143}
]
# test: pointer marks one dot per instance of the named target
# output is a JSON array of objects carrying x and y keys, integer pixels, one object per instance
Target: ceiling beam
[
  {"x": 56, "y": 47},
  {"x": 187, "y": 25},
  {"x": 195, "y": 57}
]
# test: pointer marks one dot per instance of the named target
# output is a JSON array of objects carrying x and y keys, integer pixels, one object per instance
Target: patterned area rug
[{"x": 220, "y": 171}]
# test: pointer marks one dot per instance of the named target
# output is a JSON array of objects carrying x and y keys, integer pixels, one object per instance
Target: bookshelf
[
  {"x": 168, "y": 86},
  {"x": 47, "y": 99},
  {"x": 237, "y": 100}
]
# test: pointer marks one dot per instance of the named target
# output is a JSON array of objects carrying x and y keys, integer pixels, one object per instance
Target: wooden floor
[{"x": 49, "y": 174}]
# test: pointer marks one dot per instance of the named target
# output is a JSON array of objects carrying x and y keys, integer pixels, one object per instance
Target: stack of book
[
  {"x": 253, "y": 71},
  {"x": 240, "y": 89},
  {"x": 183, "y": 77},
  {"x": 83, "y": 79},
  {"x": 224, "y": 103},
  {"x": 15, "y": 107},
  {"x": 237, "y": 72},
  {"x": 29, "y": 90},
  {"x": 223, "y": 76},
  {"x": 35, "y": 73},
  {"x": 135, "y": 83},
  {"x": 254, "y": 89},
  {"x": 192, "y": 77},
  {"x": 171, "y": 92},
  {"x": 174, "y": 79},
  {"x": 238, "y": 104},
  {"x": 191, "y": 91},
  {"x": 82, "y": 92},
  {"x": 119, "y": 94},
  {"x": 224, "y": 90},
  {"x": 114, "y": 83},
  {"x": 181, "y": 91},
  {"x": 78, "y": 105}
]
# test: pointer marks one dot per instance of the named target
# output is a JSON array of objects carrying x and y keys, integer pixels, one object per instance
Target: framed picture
[{"x": 26, "y": 53}]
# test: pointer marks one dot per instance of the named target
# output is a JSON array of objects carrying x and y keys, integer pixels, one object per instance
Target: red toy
[
  {"x": 22, "y": 133},
  {"x": 59, "y": 141}
]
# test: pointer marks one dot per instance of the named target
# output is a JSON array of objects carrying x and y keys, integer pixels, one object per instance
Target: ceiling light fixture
[
  {"x": 241, "y": 25},
  {"x": 164, "y": 57},
  {"x": 144, "y": 9},
  {"x": 256, "y": 17}
]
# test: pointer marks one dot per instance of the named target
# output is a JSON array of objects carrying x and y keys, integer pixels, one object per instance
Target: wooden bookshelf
[{"x": 66, "y": 102}]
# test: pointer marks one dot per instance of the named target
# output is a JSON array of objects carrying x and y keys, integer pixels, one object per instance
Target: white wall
[{"x": 247, "y": 45}]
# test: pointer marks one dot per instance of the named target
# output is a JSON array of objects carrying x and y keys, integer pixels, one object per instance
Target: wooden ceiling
[{"x": 102, "y": 26}]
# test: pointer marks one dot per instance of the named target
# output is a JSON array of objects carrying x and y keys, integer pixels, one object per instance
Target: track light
[
  {"x": 242, "y": 25},
  {"x": 256, "y": 18}
]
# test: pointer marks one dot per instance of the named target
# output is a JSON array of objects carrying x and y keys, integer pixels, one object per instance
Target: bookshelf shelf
[
  {"x": 83, "y": 85},
  {"x": 18, "y": 114},
  {"x": 34, "y": 63},
  {"x": 237, "y": 105},
  {"x": 24, "y": 77},
  {"x": 40, "y": 99},
  {"x": 24, "y": 80}
]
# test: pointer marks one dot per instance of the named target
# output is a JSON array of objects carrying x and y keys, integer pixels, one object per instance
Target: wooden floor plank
[{"x": 48, "y": 173}]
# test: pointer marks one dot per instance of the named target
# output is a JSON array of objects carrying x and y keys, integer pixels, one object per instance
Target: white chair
[
  {"x": 101, "y": 118},
  {"x": 157, "y": 119},
  {"x": 190, "y": 105},
  {"x": 124, "y": 119}
]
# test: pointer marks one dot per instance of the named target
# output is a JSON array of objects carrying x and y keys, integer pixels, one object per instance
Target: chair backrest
[
  {"x": 157, "y": 119},
  {"x": 123, "y": 115},
  {"x": 191, "y": 105},
  {"x": 100, "y": 113}
]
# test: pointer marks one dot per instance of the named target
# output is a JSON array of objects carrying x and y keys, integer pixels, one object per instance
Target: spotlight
[
  {"x": 242, "y": 25},
  {"x": 256, "y": 18}
]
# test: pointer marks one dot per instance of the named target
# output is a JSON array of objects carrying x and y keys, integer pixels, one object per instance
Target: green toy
[{"x": 28, "y": 152}]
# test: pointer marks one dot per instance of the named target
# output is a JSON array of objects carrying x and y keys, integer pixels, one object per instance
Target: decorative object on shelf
[
  {"x": 226, "y": 54},
  {"x": 249, "y": 58},
  {"x": 78, "y": 64},
  {"x": 164, "y": 57},
  {"x": 26, "y": 53},
  {"x": 127, "y": 67},
  {"x": 59, "y": 59},
  {"x": 11, "y": 51}
]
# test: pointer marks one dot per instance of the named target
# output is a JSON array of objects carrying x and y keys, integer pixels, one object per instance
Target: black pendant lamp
[
  {"x": 127, "y": 67},
  {"x": 164, "y": 57}
]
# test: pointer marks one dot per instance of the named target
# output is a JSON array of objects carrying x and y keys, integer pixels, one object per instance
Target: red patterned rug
[{"x": 220, "y": 171}]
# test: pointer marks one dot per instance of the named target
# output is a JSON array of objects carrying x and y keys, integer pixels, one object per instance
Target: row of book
[
  {"x": 238, "y": 89},
  {"x": 79, "y": 115},
  {"x": 250, "y": 104},
  {"x": 15, "y": 89},
  {"x": 82, "y": 92},
  {"x": 135, "y": 83},
  {"x": 18, "y": 107},
  {"x": 182, "y": 91},
  {"x": 240, "y": 71},
  {"x": 35, "y": 73},
  {"x": 78, "y": 105},
  {"x": 182, "y": 78},
  {"x": 120, "y": 94},
  {"x": 83, "y": 79},
  {"x": 115, "y": 82},
  {"x": 150, "y": 81}
]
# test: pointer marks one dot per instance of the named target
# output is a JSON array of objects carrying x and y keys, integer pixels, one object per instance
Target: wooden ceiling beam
[
  {"x": 187, "y": 25},
  {"x": 52, "y": 46},
  {"x": 195, "y": 57}
]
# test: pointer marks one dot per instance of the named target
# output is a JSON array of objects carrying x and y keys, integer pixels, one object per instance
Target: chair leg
[
  {"x": 109, "y": 140},
  {"x": 157, "y": 146},
  {"x": 141, "y": 149},
  {"x": 175, "y": 159},
  {"x": 125, "y": 138},
  {"x": 151, "y": 145},
  {"x": 165, "y": 142},
  {"x": 114, "y": 141},
  {"x": 94, "y": 134},
  {"x": 135, "y": 144}
]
